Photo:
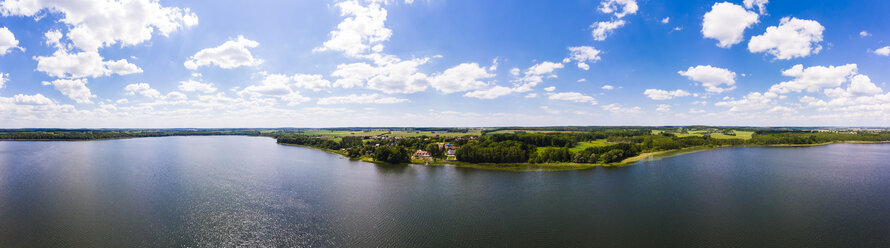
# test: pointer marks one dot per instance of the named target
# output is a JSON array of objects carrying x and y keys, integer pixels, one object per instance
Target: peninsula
[{"x": 506, "y": 148}]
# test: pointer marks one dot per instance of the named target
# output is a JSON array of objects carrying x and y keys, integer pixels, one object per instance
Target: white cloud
[
  {"x": 581, "y": 80},
  {"x": 666, "y": 20},
  {"x": 543, "y": 68},
  {"x": 860, "y": 85},
  {"x": 760, "y": 4},
  {"x": 531, "y": 95},
  {"x": 463, "y": 77},
  {"x": 663, "y": 108},
  {"x": 656, "y": 94},
  {"x": 362, "y": 31},
  {"x": 37, "y": 99},
  {"x": 711, "y": 77},
  {"x": 814, "y": 78},
  {"x": 884, "y": 51},
  {"x": 142, "y": 89},
  {"x": 402, "y": 77},
  {"x": 781, "y": 109},
  {"x": 791, "y": 39},
  {"x": 312, "y": 82},
  {"x": 274, "y": 86},
  {"x": 492, "y": 93},
  {"x": 514, "y": 71},
  {"x": 703, "y": 103},
  {"x": 360, "y": 99},
  {"x": 396, "y": 77},
  {"x": 864, "y": 33},
  {"x": 583, "y": 54},
  {"x": 535, "y": 75},
  {"x": 619, "y": 7},
  {"x": 76, "y": 89},
  {"x": 549, "y": 89},
  {"x": 752, "y": 101},
  {"x": 4, "y": 77},
  {"x": 7, "y": 41},
  {"x": 231, "y": 54},
  {"x": 53, "y": 38},
  {"x": 573, "y": 97},
  {"x": 93, "y": 24},
  {"x": 175, "y": 96},
  {"x": 618, "y": 109},
  {"x": 608, "y": 87},
  {"x": 549, "y": 110},
  {"x": 601, "y": 30},
  {"x": 726, "y": 22},
  {"x": 83, "y": 64},
  {"x": 193, "y": 86},
  {"x": 696, "y": 111}
]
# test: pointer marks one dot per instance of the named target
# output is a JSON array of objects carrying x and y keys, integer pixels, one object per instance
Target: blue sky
[{"x": 147, "y": 63}]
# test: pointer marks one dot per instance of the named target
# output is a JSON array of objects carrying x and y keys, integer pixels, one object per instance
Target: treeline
[
  {"x": 116, "y": 134},
  {"x": 803, "y": 138},
  {"x": 355, "y": 147},
  {"x": 490, "y": 151},
  {"x": 297, "y": 139}
]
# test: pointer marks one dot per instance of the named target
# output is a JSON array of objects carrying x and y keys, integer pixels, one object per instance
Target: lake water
[{"x": 249, "y": 191}]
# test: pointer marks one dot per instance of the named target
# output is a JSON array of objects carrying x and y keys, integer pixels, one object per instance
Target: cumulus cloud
[
  {"x": 619, "y": 8},
  {"x": 274, "y": 86},
  {"x": 397, "y": 76},
  {"x": 814, "y": 78},
  {"x": 663, "y": 108},
  {"x": 726, "y": 22},
  {"x": 535, "y": 75},
  {"x": 582, "y": 55},
  {"x": 656, "y": 94},
  {"x": 607, "y": 87},
  {"x": 7, "y": 41},
  {"x": 491, "y": 93},
  {"x": 572, "y": 97},
  {"x": 711, "y": 77},
  {"x": 793, "y": 38},
  {"x": 760, "y": 4},
  {"x": 231, "y": 54},
  {"x": 93, "y": 24},
  {"x": 601, "y": 30},
  {"x": 884, "y": 51},
  {"x": 195, "y": 86},
  {"x": 314, "y": 82},
  {"x": 666, "y": 20},
  {"x": 83, "y": 64},
  {"x": 463, "y": 77},
  {"x": 76, "y": 89},
  {"x": 143, "y": 89},
  {"x": 752, "y": 101},
  {"x": 4, "y": 77},
  {"x": 360, "y": 32},
  {"x": 360, "y": 99},
  {"x": 618, "y": 109},
  {"x": 864, "y": 33},
  {"x": 549, "y": 89}
]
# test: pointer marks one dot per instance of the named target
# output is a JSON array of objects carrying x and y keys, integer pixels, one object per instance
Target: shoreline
[{"x": 518, "y": 167}]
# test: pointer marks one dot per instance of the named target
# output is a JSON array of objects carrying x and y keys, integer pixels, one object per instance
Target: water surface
[{"x": 248, "y": 191}]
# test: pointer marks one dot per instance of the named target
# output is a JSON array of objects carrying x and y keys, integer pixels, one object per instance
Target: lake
[{"x": 223, "y": 191}]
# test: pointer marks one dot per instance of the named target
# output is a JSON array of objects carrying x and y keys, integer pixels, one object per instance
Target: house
[
  {"x": 421, "y": 154},
  {"x": 450, "y": 153}
]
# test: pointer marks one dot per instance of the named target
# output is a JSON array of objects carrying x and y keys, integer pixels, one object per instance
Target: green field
[
  {"x": 393, "y": 133},
  {"x": 717, "y": 134},
  {"x": 584, "y": 145}
]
